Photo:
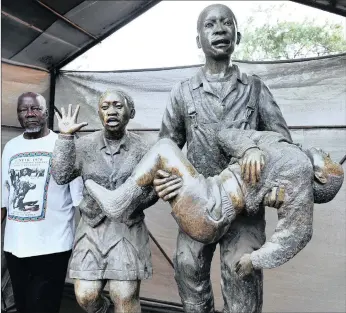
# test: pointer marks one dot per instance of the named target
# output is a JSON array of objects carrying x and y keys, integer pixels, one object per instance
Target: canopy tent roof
[
  {"x": 332, "y": 6},
  {"x": 51, "y": 33}
]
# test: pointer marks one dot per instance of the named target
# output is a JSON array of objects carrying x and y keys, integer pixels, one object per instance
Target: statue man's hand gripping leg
[
  {"x": 166, "y": 185},
  {"x": 67, "y": 123},
  {"x": 244, "y": 266}
]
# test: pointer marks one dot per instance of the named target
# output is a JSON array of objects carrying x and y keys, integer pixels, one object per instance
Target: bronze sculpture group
[{"x": 240, "y": 158}]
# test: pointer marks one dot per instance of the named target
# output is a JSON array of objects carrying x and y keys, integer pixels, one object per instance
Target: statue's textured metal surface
[
  {"x": 240, "y": 157},
  {"x": 205, "y": 208},
  {"x": 219, "y": 96},
  {"x": 106, "y": 250}
]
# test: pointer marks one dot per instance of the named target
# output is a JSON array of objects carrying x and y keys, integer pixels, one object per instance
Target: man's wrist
[{"x": 64, "y": 136}]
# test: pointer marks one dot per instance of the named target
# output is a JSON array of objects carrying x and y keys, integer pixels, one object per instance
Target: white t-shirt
[{"x": 40, "y": 214}]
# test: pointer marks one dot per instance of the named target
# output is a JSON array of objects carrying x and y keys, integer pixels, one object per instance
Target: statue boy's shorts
[{"x": 112, "y": 251}]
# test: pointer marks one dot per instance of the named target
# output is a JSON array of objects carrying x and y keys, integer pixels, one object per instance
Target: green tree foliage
[{"x": 288, "y": 39}]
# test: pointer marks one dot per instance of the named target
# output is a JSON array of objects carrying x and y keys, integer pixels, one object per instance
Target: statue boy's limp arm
[{"x": 297, "y": 173}]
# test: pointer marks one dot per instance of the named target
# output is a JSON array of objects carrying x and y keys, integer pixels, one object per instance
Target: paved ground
[{"x": 69, "y": 305}]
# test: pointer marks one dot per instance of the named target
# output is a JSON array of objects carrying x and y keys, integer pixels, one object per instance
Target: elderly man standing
[
  {"x": 40, "y": 226},
  {"x": 219, "y": 96}
]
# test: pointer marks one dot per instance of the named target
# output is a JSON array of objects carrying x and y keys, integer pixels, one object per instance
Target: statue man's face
[
  {"x": 217, "y": 32},
  {"x": 114, "y": 112}
]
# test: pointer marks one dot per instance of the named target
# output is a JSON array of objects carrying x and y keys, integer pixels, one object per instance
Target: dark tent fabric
[
  {"x": 16, "y": 80},
  {"x": 50, "y": 34},
  {"x": 308, "y": 92},
  {"x": 333, "y": 6}
]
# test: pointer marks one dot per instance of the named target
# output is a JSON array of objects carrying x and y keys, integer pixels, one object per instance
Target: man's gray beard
[{"x": 33, "y": 130}]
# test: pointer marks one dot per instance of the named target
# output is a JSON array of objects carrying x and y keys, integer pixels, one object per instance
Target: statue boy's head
[
  {"x": 115, "y": 110},
  {"x": 217, "y": 31},
  {"x": 329, "y": 175}
]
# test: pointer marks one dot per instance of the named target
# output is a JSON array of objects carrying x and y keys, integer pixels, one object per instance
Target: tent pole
[
  {"x": 53, "y": 74},
  {"x": 75, "y": 26},
  {"x": 160, "y": 248}
]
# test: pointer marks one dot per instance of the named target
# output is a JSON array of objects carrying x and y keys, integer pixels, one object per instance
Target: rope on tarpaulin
[{"x": 156, "y": 69}]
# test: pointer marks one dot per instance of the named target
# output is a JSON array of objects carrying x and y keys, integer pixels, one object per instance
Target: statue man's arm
[
  {"x": 235, "y": 142},
  {"x": 65, "y": 164},
  {"x": 243, "y": 144},
  {"x": 270, "y": 116},
  {"x": 173, "y": 121}
]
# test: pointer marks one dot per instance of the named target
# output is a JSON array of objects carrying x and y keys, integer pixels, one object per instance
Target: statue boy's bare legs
[
  {"x": 163, "y": 155},
  {"x": 198, "y": 205},
  {"x": 124, "y": 294}
]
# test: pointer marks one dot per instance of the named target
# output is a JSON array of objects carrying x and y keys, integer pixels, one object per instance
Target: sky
[{"x": 165, "y": 35}]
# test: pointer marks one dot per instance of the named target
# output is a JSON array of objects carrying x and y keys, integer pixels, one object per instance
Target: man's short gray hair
[{"x": 38, "y": 97}]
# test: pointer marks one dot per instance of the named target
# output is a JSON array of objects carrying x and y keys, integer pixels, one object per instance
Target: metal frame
[
  {"x": 158, "y": 129},
  {"x": 65, "y": 19},
  {"x": 53, "y": 75},
  {"x": 15, "y": 63}
]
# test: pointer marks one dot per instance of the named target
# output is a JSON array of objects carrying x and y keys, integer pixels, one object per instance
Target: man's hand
[
  {"x": 166, "y": 185},
  {"x": 68, "y": 123},
  {"x": 244, "y": 266},
  {"x": 275, "y": 198},
  {"x": 251, "y": 165}
]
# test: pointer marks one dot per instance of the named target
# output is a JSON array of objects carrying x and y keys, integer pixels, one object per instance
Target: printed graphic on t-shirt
[{"x": 29, "y": 175}]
